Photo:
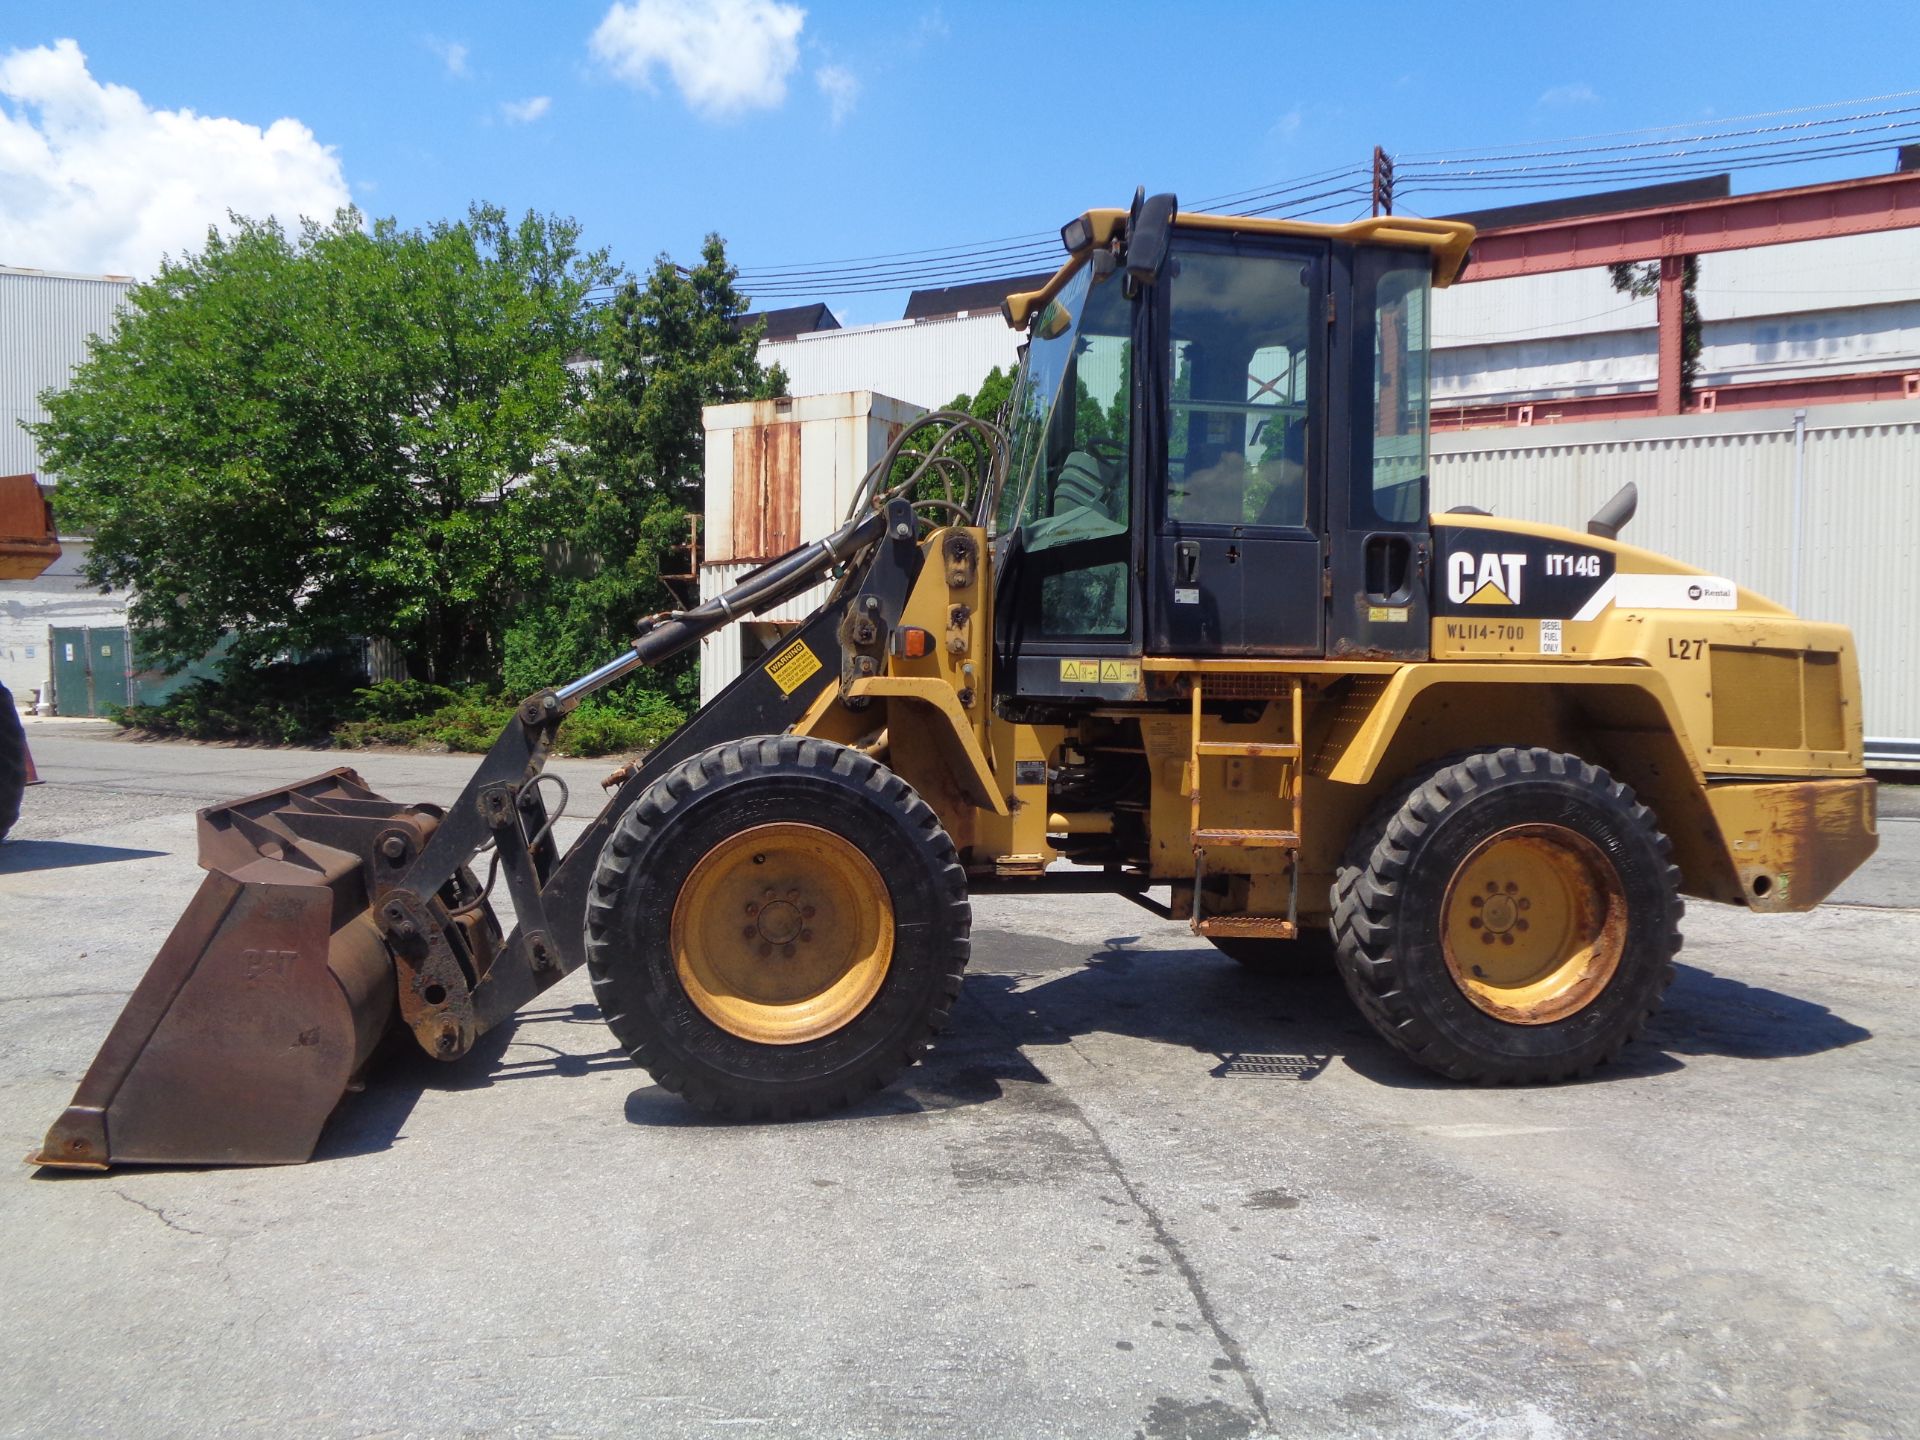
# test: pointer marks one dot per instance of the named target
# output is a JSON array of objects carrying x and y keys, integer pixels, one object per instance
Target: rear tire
[
  {"x": 795, "y": 997},
  {"x": 13, "y": 762},
  {"x": 1509, "y": 916}
]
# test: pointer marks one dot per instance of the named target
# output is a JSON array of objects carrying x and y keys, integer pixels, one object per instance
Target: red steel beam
[
  {"x": 1639, "y": 404},
  {"x": 1671, "y": 307},
  {"x": 1740, "y": 222}
]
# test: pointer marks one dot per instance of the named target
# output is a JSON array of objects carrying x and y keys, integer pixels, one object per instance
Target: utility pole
[{"x": 1382, "y": 182}]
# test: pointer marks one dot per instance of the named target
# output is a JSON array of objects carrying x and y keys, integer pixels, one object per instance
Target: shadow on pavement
[
  {"x": 1293, "y": 1024},
  {"x": 1708, "y": 1014},
  {"x": 1246, "y": 1026},
  {"x": 17, "y": 857}
]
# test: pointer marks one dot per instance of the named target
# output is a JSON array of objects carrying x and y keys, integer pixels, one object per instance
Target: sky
[{"x": 807, "y": 134}]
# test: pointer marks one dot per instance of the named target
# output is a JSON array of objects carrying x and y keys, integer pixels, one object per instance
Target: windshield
[
  {"x": 1069, "y": 418},
  {"x": 1049, "y": 354}
]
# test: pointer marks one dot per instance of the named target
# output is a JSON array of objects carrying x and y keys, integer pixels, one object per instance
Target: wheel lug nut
[
  {"x": 806, "y": 912},
  {"x": 1478, "y": 901},
  {"x": 1493, "y": 887},
  {"x": 1519, "y": 924},
  {"x": 1474, "y": 923},
  {"x": 1486, "y": 937},
  {"x": 1512, "y": 889},
  {"x": 765, "y": 949},
  {"x": 769, "y": 894},
  {"x": 1506, "y": 939},
  {"x": 806, "y": 935},
  {"x": 788, "y": 952},
  {"x": 1525, "y": 904},
  {"x": 747, "y": 932},
  {"x": 793, "y": 894},
  {"x": 752, "y": 909}
]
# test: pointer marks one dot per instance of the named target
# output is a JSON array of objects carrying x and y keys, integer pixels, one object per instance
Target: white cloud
[
  {"x": 1581, "y": 94},
  {"x": 452, "y": 54},
  {"x": 525, "y": 112},
  {"x": 1287, "y": 126},
  {"x": 841, "y": 87},
  {"x": 725, "y": 56},
  {"x": 93, "y": 179}
]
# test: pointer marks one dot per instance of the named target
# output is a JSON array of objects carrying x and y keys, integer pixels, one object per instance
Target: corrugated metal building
[
  {"x": 1833, "y": 306},
  {"x": 46, "y": 319},
  {"x": 1815, "y": 508}
]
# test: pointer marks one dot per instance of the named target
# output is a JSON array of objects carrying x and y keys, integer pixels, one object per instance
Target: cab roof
[{"x": 1446, "y": 240}]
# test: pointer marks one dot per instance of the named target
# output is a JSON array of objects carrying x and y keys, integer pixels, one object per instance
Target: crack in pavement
[
  {"x": 1164, "y": 1237},
  {"x": 165, "y": 1219}
]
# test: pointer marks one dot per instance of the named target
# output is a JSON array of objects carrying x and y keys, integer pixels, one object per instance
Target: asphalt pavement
[{"x": 1138, "y": 1191}]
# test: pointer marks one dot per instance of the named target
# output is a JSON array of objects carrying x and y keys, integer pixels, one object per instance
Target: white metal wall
[
  {"x": 924, "y": 362},
  {"x": 1720, "y": 492},
  {"x": 45, "y": 321}
]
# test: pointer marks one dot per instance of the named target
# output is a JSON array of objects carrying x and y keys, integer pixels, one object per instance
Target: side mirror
[{"x": 1149, "y": 233}]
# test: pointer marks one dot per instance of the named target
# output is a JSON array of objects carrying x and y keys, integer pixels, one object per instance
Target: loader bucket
[{"x": 264, "y": 1003}]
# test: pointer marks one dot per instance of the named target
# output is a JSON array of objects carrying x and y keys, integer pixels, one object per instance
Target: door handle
[{"x": 1186, "y": 554}]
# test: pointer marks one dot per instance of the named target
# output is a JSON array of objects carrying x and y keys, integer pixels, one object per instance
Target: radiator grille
[{"x": 1776, "y": 699}]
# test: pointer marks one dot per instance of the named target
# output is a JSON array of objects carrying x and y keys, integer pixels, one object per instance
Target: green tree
[
  {"x": 1643, "y": 282},
  {"x": 634, "y": 468},
  {"x": 307, "y": 440}
]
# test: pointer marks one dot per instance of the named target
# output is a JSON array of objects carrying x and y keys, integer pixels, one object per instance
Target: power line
[
  {"x": 1678, "y": 140},
  {"x": 1682, "y": 124},
  {"x": 1498, "y": 181},
  {"x": 1578, "y": 161},
  {"x": 1811, "y": 146}
]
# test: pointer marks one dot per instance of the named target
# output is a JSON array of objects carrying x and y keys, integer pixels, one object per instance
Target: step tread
[
  {"x": 1246, "y": 839},
  {"x": 1270, "y": 927}
]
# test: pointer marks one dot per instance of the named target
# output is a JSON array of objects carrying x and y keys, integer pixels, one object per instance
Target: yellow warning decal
[
  {"x": 1100, "y": 672},
  {"x": 792, "y": 666}
]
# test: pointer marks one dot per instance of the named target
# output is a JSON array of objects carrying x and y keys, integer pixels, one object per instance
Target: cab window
[{"x": 1241, "y": 366}]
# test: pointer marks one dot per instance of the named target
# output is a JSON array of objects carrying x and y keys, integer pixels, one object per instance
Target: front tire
[
  {"x": 1510, "y": 916},
  {"x": 777, "y": 928}
]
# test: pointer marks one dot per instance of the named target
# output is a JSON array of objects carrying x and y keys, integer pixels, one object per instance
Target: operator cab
[{"x": 1219, "y": 447}]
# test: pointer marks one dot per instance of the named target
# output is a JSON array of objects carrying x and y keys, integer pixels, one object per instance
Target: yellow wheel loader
[{"x": 1185, "y": 622}]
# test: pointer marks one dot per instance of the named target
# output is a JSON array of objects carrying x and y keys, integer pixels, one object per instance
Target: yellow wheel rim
[
  {"x": 1534, "y": 924},
  {"x": 782, "y": 933}
]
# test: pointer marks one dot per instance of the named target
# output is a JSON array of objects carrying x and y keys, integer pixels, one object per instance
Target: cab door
[{"x": 1236, "y": 559}]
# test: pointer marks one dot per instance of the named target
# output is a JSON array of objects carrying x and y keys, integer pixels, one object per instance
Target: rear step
[
  {"x": 1246, "y": 839},
  {"x": 1259, "y": 927}
]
